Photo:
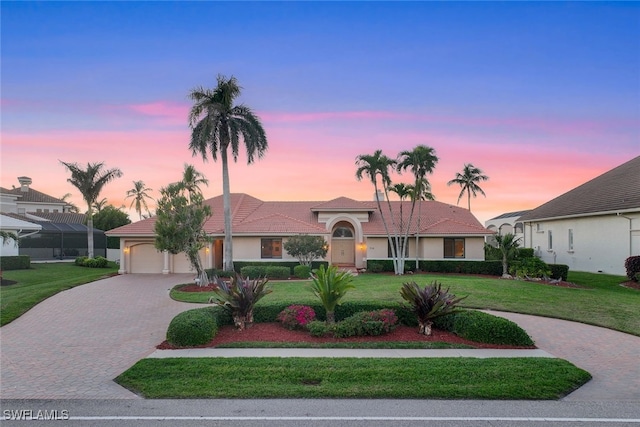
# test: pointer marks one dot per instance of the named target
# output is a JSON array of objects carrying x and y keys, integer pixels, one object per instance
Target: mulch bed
[{"x": 275, "y": 332}]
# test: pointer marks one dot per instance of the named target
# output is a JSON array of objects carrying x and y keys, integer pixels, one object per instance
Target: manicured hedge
[
  {"x": 17, "y": 262},
  {"x": 492, "y": 268},
  {"x": 559, "y": 271},
  {"x": 238, "y": 265},
  {"x": 302, "y": 271},
  {"x": 483, "y": 327}
]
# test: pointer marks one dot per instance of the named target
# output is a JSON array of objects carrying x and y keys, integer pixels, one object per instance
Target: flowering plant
[{"x": 296, "y": 316}]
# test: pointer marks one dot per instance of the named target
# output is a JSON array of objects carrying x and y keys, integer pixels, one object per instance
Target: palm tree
[
  {"x": 421, "y": 161},
  {"x": 508, "y": 246},
  {"x": 377, "y": 165},
  {"x": 140, "y": 196},
  {"x": 98, "y": 205},
  {"x": 192, "y": 179},
  {"x": 72, "y": 208},
  {"x": 216, "y": 124},
  {"x": 468, "y": 182},
  {"x": 90, "y": 182}
]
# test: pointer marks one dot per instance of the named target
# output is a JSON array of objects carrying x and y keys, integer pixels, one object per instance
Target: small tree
[
  {"x": 508, "y": 246},
  {"x": 330, "y": 285},
  {"x": 306, "y": 248},
  {"x": 179, "y": 226},
  {"x": 109, "y": 218}
]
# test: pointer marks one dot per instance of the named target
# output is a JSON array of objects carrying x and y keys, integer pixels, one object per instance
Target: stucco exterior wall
[
  {"x": 249, "y": 249},
  {"x": 600, "y": 243}
]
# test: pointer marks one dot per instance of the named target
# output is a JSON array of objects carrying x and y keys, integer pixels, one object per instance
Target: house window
[
  {"x": 539, "y": 228},
  {"x": 271, "y": 248},
  {"x": 549, "y": 240},
  {"x": 571, "y": 239},
  {"x": 344, "y": 232},
  {"x": 453, "y": 248},
  {"x": 390, "y": 252},
  {"x": 518, "y": 228}
]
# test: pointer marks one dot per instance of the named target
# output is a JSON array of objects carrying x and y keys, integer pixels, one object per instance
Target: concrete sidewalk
[{"x": 345, "y": 352}]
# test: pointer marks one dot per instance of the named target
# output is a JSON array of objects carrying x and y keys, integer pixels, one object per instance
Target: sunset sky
[{"x": 541, "y": 96}]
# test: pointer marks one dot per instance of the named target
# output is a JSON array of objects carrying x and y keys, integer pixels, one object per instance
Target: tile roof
[
  {"x": 615, "y": 190},
  {"x": 510, "y": 214},
  {"x": 66, "y": 217},
  {"x": 251, "y": 216},
  {"x": 33, "y": 196}
]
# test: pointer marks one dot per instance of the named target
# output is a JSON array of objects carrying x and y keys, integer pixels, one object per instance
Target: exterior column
[
  {"x": 124, "y": 249},
  {"x": 165, "y": 270}
]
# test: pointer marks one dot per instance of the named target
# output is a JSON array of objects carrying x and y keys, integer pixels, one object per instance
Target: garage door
[{"x": 145, "y": 258}]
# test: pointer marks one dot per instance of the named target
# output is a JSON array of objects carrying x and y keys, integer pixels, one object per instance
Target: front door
[{"x": 343, "y": 245}]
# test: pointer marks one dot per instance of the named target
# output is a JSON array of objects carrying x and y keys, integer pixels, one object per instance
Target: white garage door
[{"x": 145, "y": 258}]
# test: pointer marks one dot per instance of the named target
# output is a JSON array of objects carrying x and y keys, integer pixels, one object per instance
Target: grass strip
[{"x": 448, "y": 378}]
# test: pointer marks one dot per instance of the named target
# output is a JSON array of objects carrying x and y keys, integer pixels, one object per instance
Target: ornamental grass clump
[
  {"x": 297, "y": 316},
  {"x": 429, "y": 302},
  {"x": 239, "y": 296}
]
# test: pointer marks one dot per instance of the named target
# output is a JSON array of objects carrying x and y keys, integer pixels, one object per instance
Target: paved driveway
[{"x": 73, "y": 344}]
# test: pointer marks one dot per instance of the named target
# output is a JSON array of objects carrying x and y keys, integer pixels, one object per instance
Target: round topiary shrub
[
  {"x": 483, "y": 327},
  {"x": 302, "y": 271},
  {"x": 192, "y": 327}
]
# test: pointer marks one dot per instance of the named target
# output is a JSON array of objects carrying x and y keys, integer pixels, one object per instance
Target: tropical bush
[
  {"x": 193, "y": 327},
  {"x": 239, "y": 296},
  {"x": 559, "y": 271},
  {"x": 483, "y": 327},
  {"x": 97, "y": 262},
  {"x": 318, "y": 328},
  {"x": 330, "y": 285},
  {"x": 532, "y": 267},
  {"x": 364, "y": 323},
  {"x": 297, "y": 316},
  {"x": 253, "y": 271},
  {"x": 276, "y": 272},
  {"x": 428, "y": 303},
  {"x": 302, "y": 271},
  {"x": 632, "y": 265}
]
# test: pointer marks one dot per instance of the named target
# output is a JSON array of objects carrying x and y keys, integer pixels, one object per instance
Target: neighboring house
[
  {"x": 19, "y": 228},
  {"x": 353, "y": 230},
  {"x": 506, "y": 223},
  {"x": 61, "y": 233},
  {"x": 593, "y": 227}
]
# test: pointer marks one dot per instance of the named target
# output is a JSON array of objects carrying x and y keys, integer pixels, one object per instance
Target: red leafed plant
[{"x": 297, "y": 316}]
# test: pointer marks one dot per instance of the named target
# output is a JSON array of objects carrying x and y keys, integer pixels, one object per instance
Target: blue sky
[{"x": 542, "y": 96}]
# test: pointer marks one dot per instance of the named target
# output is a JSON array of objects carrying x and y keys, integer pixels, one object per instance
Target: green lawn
[
  {"x": 420, "y": 378},
  {"x": 40, "y": 282},
  {"x": 601, "y": 302}
]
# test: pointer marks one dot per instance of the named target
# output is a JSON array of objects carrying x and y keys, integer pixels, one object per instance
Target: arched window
[{"x": 343, "y": 232}]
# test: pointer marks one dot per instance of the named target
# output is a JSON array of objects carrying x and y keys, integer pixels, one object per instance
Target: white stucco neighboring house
[
  {"x": 593, "y": 227},
  {"x": 17, "y": 227},
  {"x": 505, "y": 223},
  {"x": 353, "y": 230}
]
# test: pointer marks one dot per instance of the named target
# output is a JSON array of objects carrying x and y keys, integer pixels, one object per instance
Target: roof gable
[{"x": 615, "y": 190}]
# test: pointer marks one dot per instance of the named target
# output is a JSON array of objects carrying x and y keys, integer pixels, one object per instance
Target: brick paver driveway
[{"x": 73, "y": 344}]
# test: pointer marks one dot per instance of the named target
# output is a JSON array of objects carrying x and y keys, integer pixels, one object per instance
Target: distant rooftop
[{"x": 511, "y": 214}]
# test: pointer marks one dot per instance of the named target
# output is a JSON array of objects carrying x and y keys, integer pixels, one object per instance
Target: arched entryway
[{"x": 343, "y": 244}]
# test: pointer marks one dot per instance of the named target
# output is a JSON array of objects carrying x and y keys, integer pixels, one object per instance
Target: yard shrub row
[
  {"x": 97, "y": 262},
  {"x": 17, "y": 262},
  {"x": 269, "y": 271},
  {"x": 193, "y": 327},
  {"x": 492, "y": 268},
  {"x": 483, "y": 327},
  {"x": 239, "y": 265}
]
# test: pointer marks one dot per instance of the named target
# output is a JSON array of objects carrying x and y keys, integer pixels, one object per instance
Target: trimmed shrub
[
  {"x": 211, "y": 272},
  {"x": 483, "y": 327},
  {"x": 525, "y": 253},
  {"x": 375, "y": 267},
  {"x": 530, "y": 267},
  {"x": 491, "y": 268},
  {"x": 253, "y": 271},
  {"x": 97, "y": 262},
  {"x": 632, "y": 265},
  {"x": 365, "y": 323},
  {"x": 559, "y": 271},
  {"x": 302, "y": 271},
  {"x": 275, "y": 272},
  {"x": 18, "y": 262},
  {"x": 193, "y": 327},
  {"x": 296, "y": 316},
  {"x": 238, "y": 265},
  {"x": 79, "y": 261},
  {"x": 318, "y": 328}
]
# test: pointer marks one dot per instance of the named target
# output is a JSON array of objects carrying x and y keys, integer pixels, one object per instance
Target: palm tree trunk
[
  {"x": 226, "y": 199},
  {"x": 90, "y": 232}
]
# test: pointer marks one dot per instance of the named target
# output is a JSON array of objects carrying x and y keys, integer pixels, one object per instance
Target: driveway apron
[
  {"x": 611, "y": 357},
  {"x": 73, "y": 344}
]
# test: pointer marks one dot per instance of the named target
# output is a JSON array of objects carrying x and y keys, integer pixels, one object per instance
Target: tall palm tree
[
  {"x": 140, "y": 196},
  {"x": 377, "y": 165},
  {"x": 192, "y": 179},
  {"x": 468, "y": 182},
  {"x": 72, "y": 208},
  {"x": 421, "y": 161},
  {"x": 217, "y": 125},
  {"x": 90, "y": 182}
]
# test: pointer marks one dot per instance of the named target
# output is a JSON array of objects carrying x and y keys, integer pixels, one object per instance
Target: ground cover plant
[
  {"x": 416, "y": 378},
  {"x": 600, "y": 300},
  {"x": 42, "y": 281}
]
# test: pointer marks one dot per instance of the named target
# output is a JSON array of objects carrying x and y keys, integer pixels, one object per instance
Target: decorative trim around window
[
  {"x": 271, "y": 248},
  {"x": 454, "y": 247}
]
